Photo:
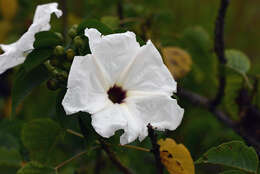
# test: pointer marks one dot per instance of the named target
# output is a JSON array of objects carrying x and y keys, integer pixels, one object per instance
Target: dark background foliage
[{"x": 188, "y": 24}]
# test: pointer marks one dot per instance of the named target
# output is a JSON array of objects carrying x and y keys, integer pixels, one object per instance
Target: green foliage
[
  {"x": 232, "y": 154},
  {"x": 36, "y": 168},
  {"x": 198, "y": 43},
  {"x": 163, "y": 22},
  {"x": 234, "y": 83},
  {"x": 198, "y": 129},
  {"x": 232, "y": 172},
  {"x": 238, "y": 61},
  {"x": 36, "y": 57},
  {"x": 40, "y": 137},
  {"x": 93, "y": 24},
  {"x": 25, "y": 82},
  {"x": 111, "y": 21},
  {"x": 46, "y": 39},
  {"x": 10, "y": 160},
  {"x": 7, "y": 140}
]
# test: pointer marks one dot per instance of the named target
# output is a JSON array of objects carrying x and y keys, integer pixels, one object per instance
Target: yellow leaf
[
  {"x": 176, "y": 157},
  {"x": 177, "y": 60},
  {"x": 8, "y": 8},
  {"x": 5, "y": 27}
]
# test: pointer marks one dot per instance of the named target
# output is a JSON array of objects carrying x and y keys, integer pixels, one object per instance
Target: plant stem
[
  {"x": 104, "y": 146},
  {"x": 75, "y": 133},
  {"x": 113, "y": 157},
  {"x": 219, "y": 46},
  {"x": 64, "y": 7},
  {"x": 69, "y": 160},
  {"x": 204, "y": 102},
  {"x": 135, "y": 147},
  {"x": 120, "y": 12},
  {"x": 155, "y": 149}
]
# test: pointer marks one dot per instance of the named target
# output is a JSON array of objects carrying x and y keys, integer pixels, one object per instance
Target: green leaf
[
  {"x": 232, "y": 154},
  {"x": 199, "y": 36},
  {"x": 9, "y": 141},
  {"x": 238, "y": 61},
  {"x": 232, "y": 172},
  {"x": 25, "y": 82},
  {"x": 94, "y": 24},
  {"x": 40, "y": 137},
  {"x": 234, "y": 83},
  {"x": 36, "y": 168},
  {"x": 196, "y": 41},
  {"x": 10, "y": 160},
  {"x": 37, "y": 57},
  {"x": 46, "y": 39}
]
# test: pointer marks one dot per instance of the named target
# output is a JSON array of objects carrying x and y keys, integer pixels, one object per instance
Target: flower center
[{"x": 116, "y": 94}]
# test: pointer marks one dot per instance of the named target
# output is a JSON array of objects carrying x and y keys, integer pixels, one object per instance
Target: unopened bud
[
  {"x": 79, "y": 43},
  {"x": 59, "y": 35},
  {"x": 72, "y": 33},
  {"x": 70, "y": 54},
  {"x": 75, "y": 26},
  {"x": 59, "y": 50}
]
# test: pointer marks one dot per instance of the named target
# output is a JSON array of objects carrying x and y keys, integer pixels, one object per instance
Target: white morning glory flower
[
  {"x": 124, "y": 86},
  {"x": 15, "y": 53}
]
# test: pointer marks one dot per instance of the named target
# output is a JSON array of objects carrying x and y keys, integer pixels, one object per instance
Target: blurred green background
[{"x": 188, "y": 24}]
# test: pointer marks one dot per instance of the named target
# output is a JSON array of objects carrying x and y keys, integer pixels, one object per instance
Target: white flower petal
[
  {"x": 86, "y": 87},
  {"x": 161, "y": 111},
  {"x": 113, "y": 52},
  {"x": 134, "y": 129},
  {"x": 148, "y": 73},
  {"x": 15, "y": 53},
  {"x": 108, "y": 121},
  {"x": 116, "y": 117}
]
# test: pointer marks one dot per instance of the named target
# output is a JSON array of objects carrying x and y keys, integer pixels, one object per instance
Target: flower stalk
[{"x": 155, "y": 149}]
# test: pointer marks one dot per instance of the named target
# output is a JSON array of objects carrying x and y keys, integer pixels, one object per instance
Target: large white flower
[
  {"x": 124, "y": 86},
  {"x": 15, "y": 53}
]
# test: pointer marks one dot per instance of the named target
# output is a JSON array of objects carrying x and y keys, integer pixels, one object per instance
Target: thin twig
[
  {"x": 104, "y": 146},
  {"x": 99, "y": 162},
  {"x": 155, "y": 149},
  {"x": 64, "y": 7},
  {"x": 83, "y": 129},
  {"x": 120, "y": 11},
  {"x": 114, "y": 158},
  {"x": 74, "y": 133},
  {"x": 135, "y": 147},
  {"x": 69, "y": 160},
  {"x": 219, "y": 46},
  {"x": 203, "y": 102}
]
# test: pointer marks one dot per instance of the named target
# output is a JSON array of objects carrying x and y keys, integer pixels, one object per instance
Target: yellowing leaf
[
  {"x": 8, "y": 8},
  {"x": 176, "y": 157},
  {"x": 177, "y": 60}
]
